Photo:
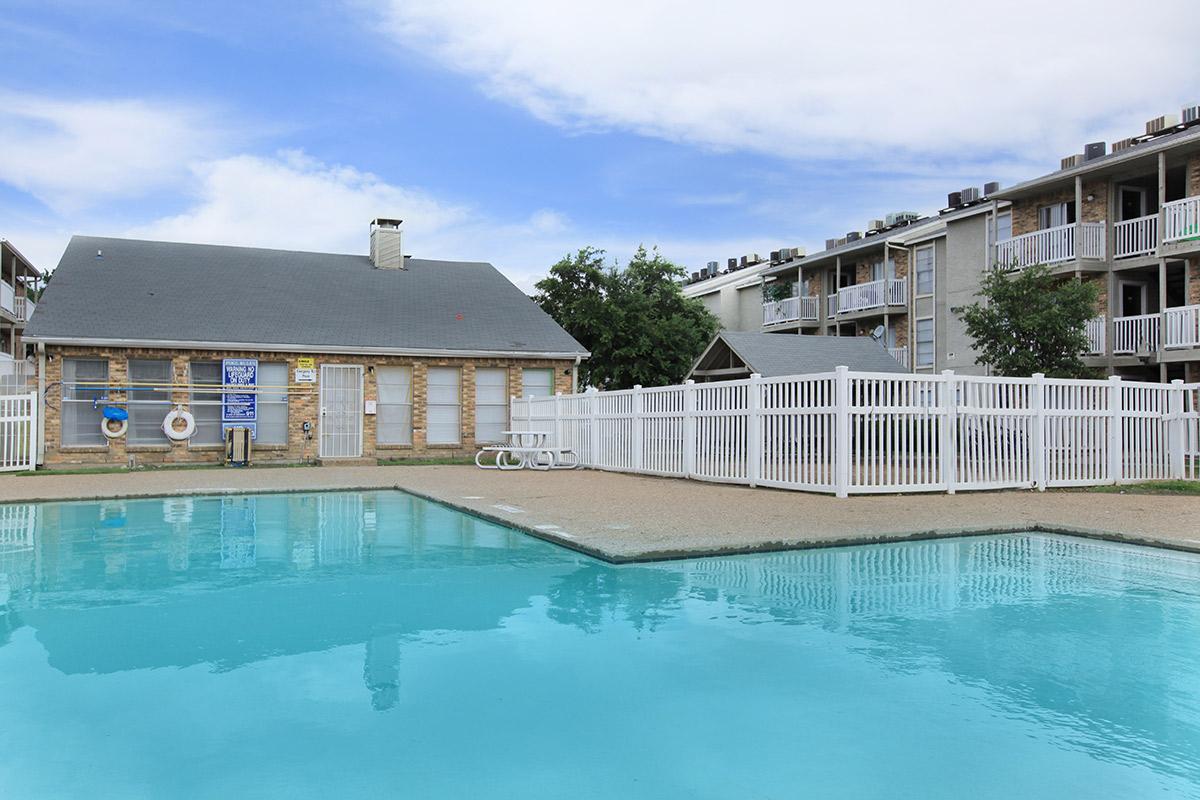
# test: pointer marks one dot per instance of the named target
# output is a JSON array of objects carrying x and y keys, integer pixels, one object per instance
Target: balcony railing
[
  {"x": 22, "y": 308},
  {"x": 790, "y": 309},
  {"x": 900, "y": 354},
  {"x": 1135, "y": 334},
  {"x": 1051, "y": 246},
  {"x": 831, "y": 305},
  {"x": 1135, "y": 237},
  {"x": 876, "y": 294},
  {"x": 1095, "y": 335},
  {"x": 1181, "y": 327},
  {"x": 1181, "y": 219}
]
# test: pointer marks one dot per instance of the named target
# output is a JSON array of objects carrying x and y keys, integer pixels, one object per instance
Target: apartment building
[
  {"x": 1128, "y": 220},
  {"x": 18, "y": 279},
  {"x": 734, "y": 295}
]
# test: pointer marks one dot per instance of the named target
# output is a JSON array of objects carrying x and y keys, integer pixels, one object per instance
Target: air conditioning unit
[
  {"x": 713, "y": 267},
  {"x": 743, "y": 261},
  {"x": 1160, "y": 124},
  {"x": 971, "y": 194},
  {"x": 731, "y": 264},
  {"x": 1122, "y": 144},
  {"x": 853, "y": 236},
  {"x": 1191, "y": 114},
  {"x": 695, "y": 277},
  {"x": 990, "y": 188},
  {"x": 798, "y": 252},
  {"x": 831, "y": 243},
  {"x": 754, "y": 258},
  {"x": 841, "y": 241},
  {"x": 1094, "y": 150},
  {"x": 237, "y": 446},
  {"x": 774, "y": 256},
  {"x": 875, "y": 225},
  {"x": 954, "y": 199},
  {"x": 897, "y": 217},
  {"x": 1072, "y": 161}
]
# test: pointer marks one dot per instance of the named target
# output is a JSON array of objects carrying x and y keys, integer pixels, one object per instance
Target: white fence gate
[
  {"x": 18, "y": 431},
  {"x": 860, "y": 433}
]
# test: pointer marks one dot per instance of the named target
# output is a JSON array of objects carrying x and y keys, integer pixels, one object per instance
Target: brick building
[{"x": 380, "y": 356}]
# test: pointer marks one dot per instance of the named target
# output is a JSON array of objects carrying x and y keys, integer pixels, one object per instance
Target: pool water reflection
[{"x": 373, "y": 643}]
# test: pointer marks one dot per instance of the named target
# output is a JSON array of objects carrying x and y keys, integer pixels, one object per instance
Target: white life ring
[
  {"x": 109, "y": 432},
  {"x": 189, "y": 424}
]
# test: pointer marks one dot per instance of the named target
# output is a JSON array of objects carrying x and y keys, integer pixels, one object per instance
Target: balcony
[
  {"x": 1135, "y": 237},
  {"x": 901, "y": 355},
  {"x": 1176, "y": 328},
  {"x": 1095, "y": 335},
  {"x": 1052, "y": 246},
  {"x": 790, "y": 309},
  {"x": 22, "y": 308},
  {"x": 865, "y": 296},
  {"x": 1181, "y": 220}
]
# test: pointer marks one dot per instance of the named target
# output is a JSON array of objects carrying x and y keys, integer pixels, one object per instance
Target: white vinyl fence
[
  {"x": 859, "y": 433},
  {"x": 18, "y": 431}
]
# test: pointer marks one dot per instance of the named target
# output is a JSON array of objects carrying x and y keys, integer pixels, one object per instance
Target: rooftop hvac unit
[
  {"x": 831, "y": 243},
  {"x": 1094, "y": 150},
  {"x": 713, "y": 267},
  {"x": 731, "y": 263},
  {"x": 853, "y": 236},
  {"x": 841, "y": 241},
  {"x": 1191, "y": 114},
  {"x": 704, "y": 274},
  {"x": 753, "y": 258},
  {"x": 743, "y": 261},
  {"x": 1072, "y": 161},
  {"x": 897, "y": 217},
  {"x": 785, "y": 254},
  {"x": 971, "y": 194},
  {"x": 798, "y": 252},
  {"x": 1122, "y": 144},
  {"x": 954, "y": 199},
  {"x": 237, "y": 446},
  {"x": 875, "y": 225},
  {"x": 1160, "y": 124},
  {"x": 990, "y": 188},
  {"x": 695, "y": 277}
]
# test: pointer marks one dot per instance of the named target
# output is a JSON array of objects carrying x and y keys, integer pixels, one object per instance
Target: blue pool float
[{"x": 116, "y": 414}]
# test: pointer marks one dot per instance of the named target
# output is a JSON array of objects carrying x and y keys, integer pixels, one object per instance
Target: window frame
[
  {"x": 195, "y": 400},
  {"x": 384, "y": 406},
  {"x": 137, "y": 405},
  {"x": 525, "y": 383},
  {"x": 917, "y": 343},
  {"x": 932, "y": 249},
  {"x": 502, "y": 404},
  {"x": 82, "y": 403},
  {"x": 456, "y": 405},
  {"x": 271, "y": 397}
]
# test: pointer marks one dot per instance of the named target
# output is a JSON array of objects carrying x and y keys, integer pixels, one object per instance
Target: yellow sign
[{"x": 306, "y": 363}]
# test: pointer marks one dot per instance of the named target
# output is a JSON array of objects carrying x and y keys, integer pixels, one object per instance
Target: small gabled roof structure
[{"x": 732, "y": 355}]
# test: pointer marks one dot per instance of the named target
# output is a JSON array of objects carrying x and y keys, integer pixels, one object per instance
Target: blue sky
[{"x": 516, "y": 132}]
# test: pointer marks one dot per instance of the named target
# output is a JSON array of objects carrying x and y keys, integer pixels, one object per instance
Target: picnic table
[{"x": 527, "y": 450}]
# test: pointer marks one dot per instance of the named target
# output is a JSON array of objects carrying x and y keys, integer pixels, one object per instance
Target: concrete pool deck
[{"x": 634, "y": 518}]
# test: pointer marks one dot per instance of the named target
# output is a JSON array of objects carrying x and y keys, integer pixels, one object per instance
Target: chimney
[{"x": 386, "y": 252}]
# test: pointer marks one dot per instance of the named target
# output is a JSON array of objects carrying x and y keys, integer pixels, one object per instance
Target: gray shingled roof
[
  {"x": 162, "y": 291},
  {"x": 776, "y": 354}
]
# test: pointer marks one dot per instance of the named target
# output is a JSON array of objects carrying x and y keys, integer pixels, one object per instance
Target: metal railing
[
  {"x": 1051, "y": 246},
  {"x": 1135, "y": 237},
  {"x": 790, "y": 309},
  {"x": 1181, "y": 219},
  {"x": 876, "y": 294}
]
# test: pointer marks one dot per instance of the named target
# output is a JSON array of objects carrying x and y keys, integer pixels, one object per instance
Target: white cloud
[
  {"x": 73, "y": 154},
  {"x": 895, "y": 82}
]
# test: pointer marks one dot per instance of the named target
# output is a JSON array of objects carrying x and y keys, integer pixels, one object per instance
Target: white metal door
[{"x": 341, "y": 411}]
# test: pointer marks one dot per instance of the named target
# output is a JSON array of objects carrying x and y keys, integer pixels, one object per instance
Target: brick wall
[
  {"x": 303, "y": 405},
  {"x": 1193, "y": 176},
  {"x": 1194, "y": 288},
  {"x": 1025, "y": 212}
]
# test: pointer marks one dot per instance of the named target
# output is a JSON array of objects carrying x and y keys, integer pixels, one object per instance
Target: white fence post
[
  {"x": 593, "y": 427},
  {"x": 753, "y": 442},
  {"x": 1175, "y": 428},
  {"x": 1037, "y": 436},
  {"x": 689, "y": 429},
  {"x": 638, "y": 433},
  {"x": 558, "y": 424},
  {"x": 841, "y": 432},
  {"x": 1115, "y": 456},
  {"x": 948, "y": 442}
]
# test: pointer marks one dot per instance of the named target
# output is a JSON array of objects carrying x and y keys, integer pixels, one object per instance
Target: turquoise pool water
[{"x": 346, "y": 644}]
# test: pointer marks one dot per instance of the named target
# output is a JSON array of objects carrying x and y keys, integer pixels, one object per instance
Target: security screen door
[{"x": 341, "y": 411}]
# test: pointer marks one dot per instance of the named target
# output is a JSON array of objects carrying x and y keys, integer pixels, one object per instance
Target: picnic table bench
[{"x": 527, "y": 450}]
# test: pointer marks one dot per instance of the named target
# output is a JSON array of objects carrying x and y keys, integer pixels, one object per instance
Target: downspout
[{"x": 42, "y": 405}]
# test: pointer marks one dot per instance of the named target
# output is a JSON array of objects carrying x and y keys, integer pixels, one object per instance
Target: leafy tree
[
  {"x": 778, "y": 290},
  {"x": 636, "y": 322},
  {"x": 1031, "y": 322}
]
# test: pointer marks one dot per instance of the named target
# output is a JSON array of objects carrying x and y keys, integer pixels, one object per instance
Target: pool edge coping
[{"x": 672, "y": 554}]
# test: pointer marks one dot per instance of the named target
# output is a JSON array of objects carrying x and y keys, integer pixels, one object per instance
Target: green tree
[
  {"x": 1030, "y": 321},
  {"x": 637, "y": 324}
]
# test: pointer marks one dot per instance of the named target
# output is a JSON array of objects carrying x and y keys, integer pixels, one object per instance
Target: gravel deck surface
[{"x": 631, "y": 518}]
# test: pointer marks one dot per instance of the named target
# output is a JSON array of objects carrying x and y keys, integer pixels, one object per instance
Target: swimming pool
[{"x": 339, "y": 644}]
